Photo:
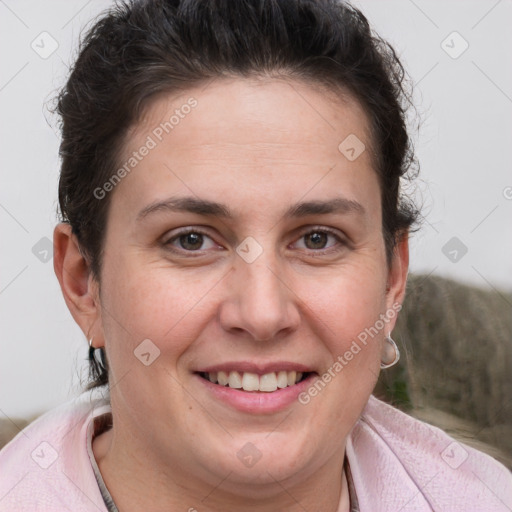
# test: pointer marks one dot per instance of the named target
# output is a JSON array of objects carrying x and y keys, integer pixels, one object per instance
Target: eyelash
[
  {"x": 184, "y": 232},
  {"x": 341, "y": 242}
]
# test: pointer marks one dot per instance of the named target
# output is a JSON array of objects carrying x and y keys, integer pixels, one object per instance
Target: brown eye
[
  {"x": 319, "y": 241},
  {"x": 191, "y": 241},
  {"x": 316, "y": 240}
]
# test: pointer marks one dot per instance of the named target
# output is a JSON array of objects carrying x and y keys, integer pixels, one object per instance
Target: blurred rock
[
  {"x": 456, "y": 345},
  {"x": 10, "y": 427}
]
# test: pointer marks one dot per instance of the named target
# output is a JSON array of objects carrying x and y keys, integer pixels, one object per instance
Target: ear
[
  {"x": 80, "y": 289},
  {"x": 397, "y": 276}
]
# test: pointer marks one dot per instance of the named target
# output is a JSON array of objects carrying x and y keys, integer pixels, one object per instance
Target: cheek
[
  {"x": 346, "y": 303},
  {"x": 343, "y": 308},
  {"x": 148, "y": 301}
]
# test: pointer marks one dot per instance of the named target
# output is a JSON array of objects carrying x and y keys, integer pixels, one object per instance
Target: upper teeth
[{"x": 253, "y": 382}]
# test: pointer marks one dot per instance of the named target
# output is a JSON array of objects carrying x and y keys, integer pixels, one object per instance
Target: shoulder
[
  {"x": 406, "y": 461},
  {"x": 47, "y": 464}
]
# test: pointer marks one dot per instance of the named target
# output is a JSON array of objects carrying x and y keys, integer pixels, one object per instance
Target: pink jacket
[{"x": 397, "y": 464}]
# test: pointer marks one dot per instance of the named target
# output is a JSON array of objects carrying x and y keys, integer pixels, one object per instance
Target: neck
[{"x": 138, "y": 481}]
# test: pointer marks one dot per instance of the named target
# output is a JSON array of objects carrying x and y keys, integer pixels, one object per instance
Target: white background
[{"x": 464, "y": 147}]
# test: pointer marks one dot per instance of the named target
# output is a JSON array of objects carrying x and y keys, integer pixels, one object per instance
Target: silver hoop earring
[
  {"x": 390, "y": 353},
  {"x": 90, "y": 342}
]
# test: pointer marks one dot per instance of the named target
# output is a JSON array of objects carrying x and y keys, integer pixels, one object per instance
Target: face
[{"x": 245, "y": 246}]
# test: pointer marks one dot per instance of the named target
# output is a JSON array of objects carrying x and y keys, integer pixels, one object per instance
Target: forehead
[
  {"x": 258, "y": 139},
  {"x": 229, "y": 109}
]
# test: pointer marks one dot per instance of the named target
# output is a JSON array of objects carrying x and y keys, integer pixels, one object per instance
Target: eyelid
[
  {"x": 339, "y": 235},
  {"x": 173, "y": 234},
  {"x": 324, "y": 229}
]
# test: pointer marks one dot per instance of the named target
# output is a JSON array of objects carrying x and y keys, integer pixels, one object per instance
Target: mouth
[
  {"x": 255, "y": 387},
  {"x": 252, "y": 382}
]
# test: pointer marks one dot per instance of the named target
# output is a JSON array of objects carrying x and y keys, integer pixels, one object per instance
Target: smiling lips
[
  {"x": 256, "y": 387},
  {"x": 249, "y": 381}
]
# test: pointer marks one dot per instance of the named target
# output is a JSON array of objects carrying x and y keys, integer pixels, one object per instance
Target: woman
[{"x": 234, "y": 246}]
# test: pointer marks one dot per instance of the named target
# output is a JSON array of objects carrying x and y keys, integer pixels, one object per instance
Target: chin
[{"x": 262, "y": 460}]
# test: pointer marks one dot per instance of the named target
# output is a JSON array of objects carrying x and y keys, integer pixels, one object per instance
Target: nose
[{"x": 259, "y": 302}]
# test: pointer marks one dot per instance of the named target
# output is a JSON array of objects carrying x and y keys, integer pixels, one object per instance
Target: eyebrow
[
  {"x": 338, "y": 205},
  {"x": 210, "y": 208},
  {"x": 186, "y": 204}
]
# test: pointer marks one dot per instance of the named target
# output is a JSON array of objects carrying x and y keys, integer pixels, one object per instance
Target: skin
[{"x": 258, "y": 147}]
